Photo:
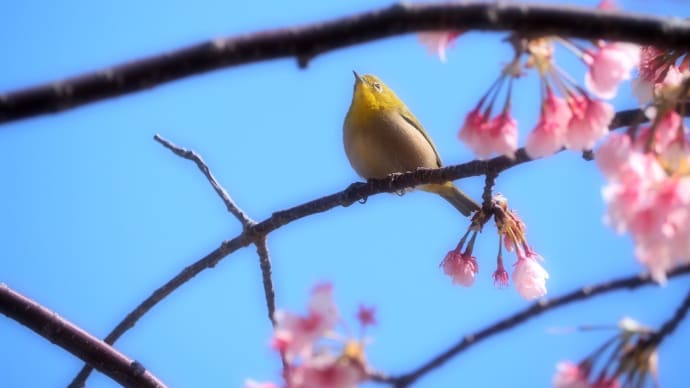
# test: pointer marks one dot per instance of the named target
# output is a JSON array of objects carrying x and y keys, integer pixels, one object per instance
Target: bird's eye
[{"x": 378, "y": 86}]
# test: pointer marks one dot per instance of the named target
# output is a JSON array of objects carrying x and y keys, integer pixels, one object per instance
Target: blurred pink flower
[
  {"x": 437, "y": 42},
  {"x": 326, "y": 371},
  {"x": 294, "y": 334},
  {"x": 609, "y": 66},
  {"x": 589, "y": 122},
  {"x": 549, "y": 134},
  {"x": 529, "y": 276},
  {"x": 613, "y": 154},
  {"x": 462, "y": 268},
  {"x": 569, "y": 375}
]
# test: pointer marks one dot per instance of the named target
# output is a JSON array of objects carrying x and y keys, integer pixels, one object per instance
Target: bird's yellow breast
[{"x": 379, "y": 142}]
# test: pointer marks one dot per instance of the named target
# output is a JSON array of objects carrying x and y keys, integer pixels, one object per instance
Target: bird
[{"x": 382, "y": 137}]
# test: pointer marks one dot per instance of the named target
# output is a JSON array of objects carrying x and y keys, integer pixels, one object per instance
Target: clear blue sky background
[{"x": 95, "y": 215}]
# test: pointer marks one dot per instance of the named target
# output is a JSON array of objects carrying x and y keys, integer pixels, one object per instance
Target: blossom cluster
[
  {"x": 647, "y": 168},
  {"x": 628, "y": 359},
  {"x": 310, "y": 360},
  {"x": 528, "y": 275}
]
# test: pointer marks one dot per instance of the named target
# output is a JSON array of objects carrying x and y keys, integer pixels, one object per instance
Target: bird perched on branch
[{"x": 383, "y": 137}]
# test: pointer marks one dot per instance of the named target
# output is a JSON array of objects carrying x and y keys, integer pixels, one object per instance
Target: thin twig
[
  {"x": 347, "y": 197},
  {"x": 220, "y": 190},
  {"x": 306, "y": 42},
  {"x": 67, "y": 335},
  {"x": 532, "y": 311},
  {"x": 265, "y": 263}
]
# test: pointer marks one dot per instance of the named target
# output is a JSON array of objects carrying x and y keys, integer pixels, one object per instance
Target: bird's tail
[{"x": 452, "y": 194}]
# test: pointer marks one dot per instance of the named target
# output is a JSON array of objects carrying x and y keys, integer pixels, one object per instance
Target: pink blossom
[
  {"x": 549, "y": 134},
  {"x": 671, "y": 88},
  {"x": 608, "y": 66},
  {"x": 613, "y": 154},
  {"x": 366, "y": 315},
  {"x": 629, "y": 191},
  {"x": 485, "y": 137},
  {"x": 473, "y": 128},
  {"x": 500, "y": 276},
  {"x": 461, "y": 267},
  {"x": 503, "y": 135},
  {"x": 652, "y": 64},
  {"x": 654, "y": 67},
  {"x": 608, "y": 5},
  {"x": 437, "y": 42},
  {"x": 569, "y": 375},
  {"x": 529, "y": 277},
  {"x": 589, "y": 122},
  {"x": 666, "y": 130},
  {"x": 326, "y": 371},
  {"x": 249, "y": 383},
  {"x": 295, "y": 334}
]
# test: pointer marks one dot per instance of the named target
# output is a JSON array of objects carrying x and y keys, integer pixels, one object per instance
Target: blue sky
[{"x": 95, "y": 215}]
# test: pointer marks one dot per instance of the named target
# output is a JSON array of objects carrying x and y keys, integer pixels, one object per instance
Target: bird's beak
[{"x": 358, "y": 78}]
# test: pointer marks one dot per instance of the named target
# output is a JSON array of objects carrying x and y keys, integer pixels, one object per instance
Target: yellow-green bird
[{"x": 382, "y": 137}]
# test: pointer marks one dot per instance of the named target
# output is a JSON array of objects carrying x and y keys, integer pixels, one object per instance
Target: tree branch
[
  {"x": 265, "y": 262},
  {"x": 308, "y": 41},
  {"x": 355, "y": 192},
  {"x": 672, "y": 324},
  {"x": 75, "y": 340},
  {"x": 532, "y": 311}
]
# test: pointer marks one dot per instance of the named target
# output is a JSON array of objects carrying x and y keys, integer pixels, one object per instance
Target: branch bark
[
  {"x": 308, "y": 41},
  {"x": 75, "y": 340},
  {"x": 532, "y": 311}
]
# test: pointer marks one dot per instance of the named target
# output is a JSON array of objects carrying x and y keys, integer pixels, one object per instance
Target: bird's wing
[{"x": 409, "y": 117}]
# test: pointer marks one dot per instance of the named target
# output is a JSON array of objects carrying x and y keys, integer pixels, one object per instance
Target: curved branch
[
  {"x": 65, "y": 334},
  {"x": 306, "y": 42},
  {"x": 672, "y": 324},
  {"x": 532, "y": 311},
  {"x": 355, "y": 192}
]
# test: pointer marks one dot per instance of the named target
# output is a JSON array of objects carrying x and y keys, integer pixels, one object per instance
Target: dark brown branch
[
  {"x": 306, "y": 42},
  {"x": 220, "y": 190},
  {"x": 354, "y": 193},
  {"x": 267, "y": 279},
  {"x": 75, "y": 340},
  {"x": 532, "y": 311},
  {"x": 670, "y": 326}
]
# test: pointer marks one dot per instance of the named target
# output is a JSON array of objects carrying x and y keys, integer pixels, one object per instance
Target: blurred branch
[
  {"x": 532, "y": 311},
  {"x": 75, "y": 340},
  {"x": 255, "y": 232},
  {"x": 670, "y": 326},
  {"x": 308, "y": 41}
]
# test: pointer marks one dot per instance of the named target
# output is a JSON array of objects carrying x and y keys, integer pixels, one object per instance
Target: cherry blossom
[
  {"x": 569, "y": 375},
  {"x": 437, "y": 42},
  {"x": 294, "y": 334},
  {"x": 589, "y": 122},
  {"x": 366, "y": 315},
  {"x": 500, "y": 275},
  {"x": 249, "y": 383},
  {"x": 462, "y": 268},
  {"x": 608, "y": 66},
  {"x": 549, "y": 134},
  {"x": 529, "y": 276},
  {"x": 327, "y": 371}
]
